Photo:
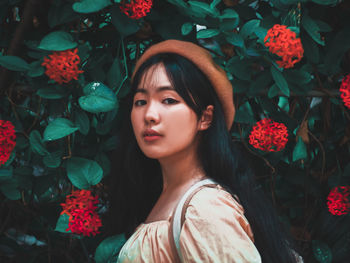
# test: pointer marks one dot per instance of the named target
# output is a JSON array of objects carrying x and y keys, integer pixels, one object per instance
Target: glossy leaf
[
  {"x": 36, "y": 143},
  {"x": 98, "y": 98},
  {"x": 299, "y": 151},
  {"x": 53, "y": 92},
  {"x": 207, "y": 33},
  {"x": 53, "y": 160},
  {"x": 312, "y": 29},
  {"x": 280, "y": 80},
  {"x": 249, "y": 28},
  {"x": 186, "y": 28},
  {"x": 57, "y": 41},
  {"x": 109, "y": 248},
  {"x": 90, "y": 6},
  {"x": 62, "y": 224},
  {"x": 83, "y": 173},
  {"x": 14, "y": 63},
  {"x": 58, "y": 128}
]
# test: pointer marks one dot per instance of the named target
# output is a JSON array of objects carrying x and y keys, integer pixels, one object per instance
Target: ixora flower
[
  {"x": 339, "y": 200},
  {"x": 269, "y": 136},
  {"x": 345, "y": 90},
  {"x": 136, "y": 9},
  {"x": 283, "y": 42},
  {"x": 80, "y": 206},
  {"x": 7, "y": 140},
  {"x": 62, "y": 66}
]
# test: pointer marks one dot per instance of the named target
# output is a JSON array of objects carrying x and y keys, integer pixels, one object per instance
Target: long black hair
[{"x": 136, "y": 180}]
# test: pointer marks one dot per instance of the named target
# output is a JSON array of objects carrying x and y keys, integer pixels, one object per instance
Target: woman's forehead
[{"x": 155, "y": 77}]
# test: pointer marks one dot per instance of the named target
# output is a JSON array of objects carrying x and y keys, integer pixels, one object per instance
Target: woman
[{"x": 180, "y": 111}]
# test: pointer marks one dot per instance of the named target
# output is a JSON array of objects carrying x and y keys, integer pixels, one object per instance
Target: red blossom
[
  {"x": 339, "y": 200},
  {"x": 269, "y": 136},
  {"x": 283, "y": 42},
  {"x": 136, "y": 9},
  {"x": 62, "y": 66},
  {"x": 81, "y": 207},
  {"x": 84, "y": 222},
  {"x": 7, "y": 140},
  {"x": 345, "y": 90}
]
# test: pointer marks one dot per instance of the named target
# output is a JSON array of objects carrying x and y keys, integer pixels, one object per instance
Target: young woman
[{"x": 176, "y": 137}]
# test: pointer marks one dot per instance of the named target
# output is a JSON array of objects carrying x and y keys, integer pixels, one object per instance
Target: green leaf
[
  {"x": 312, "y": 29},
  {"x": 58, "y": 128},
  {"x": 36, "y": 143},
  {"x": 186, "y": 28},
  {"x": 5, "y": 174},
  {"x": 36, "y": 70},
  {"x": 235, "y": 39},
  {"x": 98, "y": 98},
  {"x": 229, "y": 13},
  {"x": 57, "y": 41},
  {"x": 244, "y": 114},
  {"x": 82, "y": 121},
  {"x": 83, "y": 173},
  {"x": 322, "y": 252},
  {"x": 61, "y": 13},
  {"x": 124, "y": 25},
  {"x": 52, "y": 92},
  {"x": 249, "y": 28},
  {"x": 298, "y": 77},
  {"x": 214, "y": 3},
  {"x": 62, "y": 224},
  {"x": 203, "y": 8},
  {"x": 239, "y": 68},
  {"x": 299, "y": 151},
  {"x": 90, "y": 6},
  {"x": 14, "y": 63},
  {"x": 9, "y": 189},
  {"x": 109, "y": 248},
  {"x": 207, "y": 33},
  {"x": 311, "y": 49},
  {"x": 280, "y": 80},
  {"x": 53, "y": 160},
  {"x": 114, "y": 75}
]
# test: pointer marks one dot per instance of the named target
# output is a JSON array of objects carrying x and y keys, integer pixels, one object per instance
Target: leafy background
[{"x": 66, "y": 132}]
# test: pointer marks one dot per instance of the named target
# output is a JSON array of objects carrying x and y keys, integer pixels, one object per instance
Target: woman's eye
[
  {"x": 139, "y": 102},
  {"x": 169, "y": 101}
]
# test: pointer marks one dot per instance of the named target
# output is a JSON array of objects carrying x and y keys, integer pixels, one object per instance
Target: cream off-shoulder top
[{"x": 214, "y": 230}]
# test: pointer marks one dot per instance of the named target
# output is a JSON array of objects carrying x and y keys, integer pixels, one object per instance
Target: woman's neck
[{"x": 180, "y": 171}]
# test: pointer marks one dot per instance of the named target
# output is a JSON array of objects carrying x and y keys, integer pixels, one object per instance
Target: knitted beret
[{"x": 204, "y": 61}]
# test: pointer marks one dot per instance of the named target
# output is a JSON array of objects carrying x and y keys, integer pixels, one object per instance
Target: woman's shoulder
[{"x": 215, "y": 196}]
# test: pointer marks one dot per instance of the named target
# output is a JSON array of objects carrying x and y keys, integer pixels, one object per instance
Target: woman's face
[{"x": 163, "y": 124}]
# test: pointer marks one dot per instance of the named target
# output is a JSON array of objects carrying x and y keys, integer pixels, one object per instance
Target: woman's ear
[{"x": 206, "y": 118}]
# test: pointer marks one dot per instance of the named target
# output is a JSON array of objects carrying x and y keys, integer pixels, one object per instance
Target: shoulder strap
[{"x": 179, "y": 215}]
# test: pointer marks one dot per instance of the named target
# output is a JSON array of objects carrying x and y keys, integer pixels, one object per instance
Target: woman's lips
[{"x": 151, "y": 138}]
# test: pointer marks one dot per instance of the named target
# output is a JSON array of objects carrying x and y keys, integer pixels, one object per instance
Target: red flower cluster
[
  {"x": 339, "y": 200},
  {"x": 136, "y": 8},
  {"x": 283, "y": 42},
  {"x": 80, "y": 206},
  {"x": 7, "y": 140},
  {"x": 345, "y": 90},
  {"x": 269, "y": 136},
  {"x": 62, "y": 66}
]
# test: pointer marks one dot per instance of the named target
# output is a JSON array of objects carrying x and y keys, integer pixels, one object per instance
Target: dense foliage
[{"x": 66, "y": 65}]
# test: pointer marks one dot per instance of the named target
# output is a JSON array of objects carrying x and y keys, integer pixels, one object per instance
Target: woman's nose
[{"x": 152, "y": 113}]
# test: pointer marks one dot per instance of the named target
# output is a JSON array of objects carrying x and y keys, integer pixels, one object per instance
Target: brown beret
[{"x": 204, "y": 61}]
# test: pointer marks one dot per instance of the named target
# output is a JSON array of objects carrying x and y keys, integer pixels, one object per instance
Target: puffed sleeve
[{"x": 215, "y": 230}]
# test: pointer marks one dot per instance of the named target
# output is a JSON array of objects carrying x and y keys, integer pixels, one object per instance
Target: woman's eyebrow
[{"x": 159, "y": 89}]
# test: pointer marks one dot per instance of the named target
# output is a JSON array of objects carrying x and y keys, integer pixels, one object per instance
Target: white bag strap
[{"x": 176, "y": 226}]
